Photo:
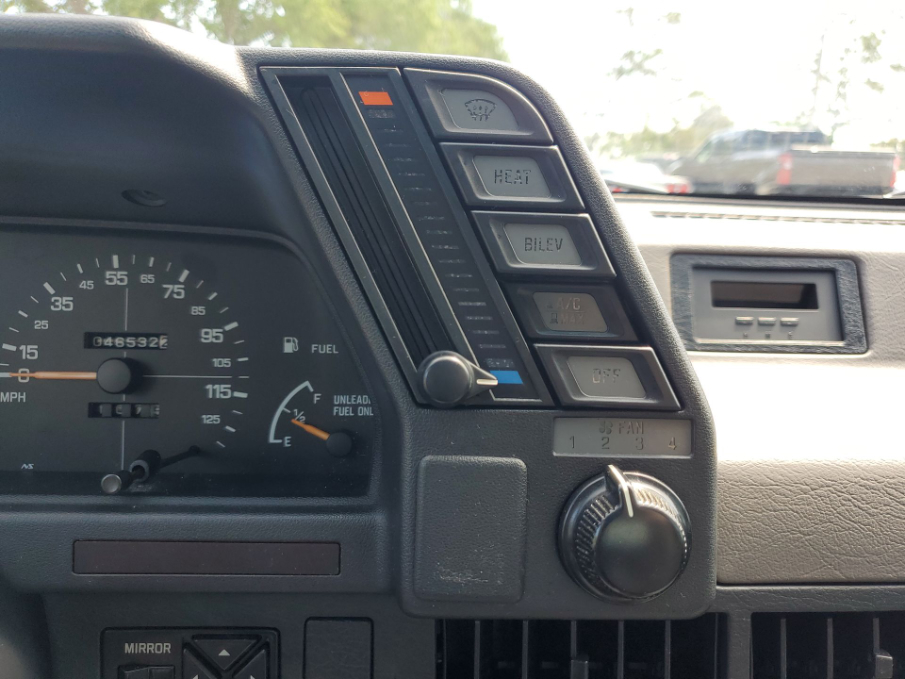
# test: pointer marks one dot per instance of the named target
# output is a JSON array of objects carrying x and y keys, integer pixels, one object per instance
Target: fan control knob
[{"x": 624, "y": 536}]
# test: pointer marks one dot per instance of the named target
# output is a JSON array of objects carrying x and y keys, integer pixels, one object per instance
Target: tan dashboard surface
[{"x": 811, "y": 448}]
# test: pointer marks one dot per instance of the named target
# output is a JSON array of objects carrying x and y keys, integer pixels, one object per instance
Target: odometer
[
  {"x": 126, "y": 340},
  {"x": 112, "y": 347}
]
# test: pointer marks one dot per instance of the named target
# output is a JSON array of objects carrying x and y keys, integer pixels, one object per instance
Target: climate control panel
[{"x": 465, "y": 222}]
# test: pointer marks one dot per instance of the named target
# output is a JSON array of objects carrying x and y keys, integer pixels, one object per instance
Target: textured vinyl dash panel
[
  {"x": 471, "y": 528},
  {"x": 811, "y": 474}
]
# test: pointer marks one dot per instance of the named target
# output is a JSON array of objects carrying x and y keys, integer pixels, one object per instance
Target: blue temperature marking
[{"x": 507, "y": 376}]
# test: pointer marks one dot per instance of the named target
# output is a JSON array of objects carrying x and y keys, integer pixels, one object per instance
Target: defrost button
[
  {"x": 478, "y": 110},
  {"x": 466, "y": 106}
]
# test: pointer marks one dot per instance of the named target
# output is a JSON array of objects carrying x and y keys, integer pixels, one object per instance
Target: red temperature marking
[{"x": 375, "y": 98}]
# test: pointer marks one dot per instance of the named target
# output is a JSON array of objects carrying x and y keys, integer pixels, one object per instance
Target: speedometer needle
[
  {"x": 314, "y": 431},
  {"x": 51, "y": 375}
]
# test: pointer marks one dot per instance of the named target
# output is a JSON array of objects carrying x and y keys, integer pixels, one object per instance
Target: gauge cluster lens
[{"x": 221, "y": 359}]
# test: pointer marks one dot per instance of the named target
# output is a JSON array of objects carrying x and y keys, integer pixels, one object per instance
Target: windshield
[{"x": 685, "y": 96}]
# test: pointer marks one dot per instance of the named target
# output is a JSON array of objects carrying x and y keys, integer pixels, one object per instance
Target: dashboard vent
[
  {"x": 554, "y": 649},
  {"x": 359, "y": 198},
  {"x": 753, "y": 217},
  {"x": 828, "y": 646}
]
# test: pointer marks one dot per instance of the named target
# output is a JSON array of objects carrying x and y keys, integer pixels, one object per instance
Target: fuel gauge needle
[
  {"x": 339, "y": 444},
  {"x": 311, "y": 429},
  {"x": 52, "y": 375}
]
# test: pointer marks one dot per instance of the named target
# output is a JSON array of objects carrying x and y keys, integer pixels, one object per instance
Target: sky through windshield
[{"x": 755, "y": 61}]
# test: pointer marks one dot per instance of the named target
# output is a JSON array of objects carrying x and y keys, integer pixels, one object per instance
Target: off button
[{"x": 606, "y": 377}]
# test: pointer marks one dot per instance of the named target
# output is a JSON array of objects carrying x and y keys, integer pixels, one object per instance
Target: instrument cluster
[{"x": 170, "y": 364}]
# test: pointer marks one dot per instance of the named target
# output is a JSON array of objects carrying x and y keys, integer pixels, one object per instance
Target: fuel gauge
[{"x": 309, "y": 420}]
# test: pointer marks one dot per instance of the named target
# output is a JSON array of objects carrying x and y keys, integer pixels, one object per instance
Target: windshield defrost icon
[{"x": 480, "y": 109}]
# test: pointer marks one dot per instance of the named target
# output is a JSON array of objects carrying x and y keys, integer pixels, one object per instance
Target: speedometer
[
  {"x": 100, "y": 322},
  {"x": 114, "y": 350}
]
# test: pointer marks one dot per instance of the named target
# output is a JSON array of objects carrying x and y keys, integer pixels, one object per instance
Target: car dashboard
[{"x": 336, "y": 364}]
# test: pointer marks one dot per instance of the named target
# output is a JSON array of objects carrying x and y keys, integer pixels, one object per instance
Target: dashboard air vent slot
[
  {"x": 755, "y": 217},
  {"x": 359, "y": 198},
  {"x": 828, "y": 645},
  {"x": 578, "y": 649}
]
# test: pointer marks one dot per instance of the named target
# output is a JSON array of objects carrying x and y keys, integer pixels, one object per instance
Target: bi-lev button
[{"x": 559, "y": 245}]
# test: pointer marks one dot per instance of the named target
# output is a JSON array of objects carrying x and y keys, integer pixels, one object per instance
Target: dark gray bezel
[
  {"x": 619, "y": 328},
  {"x": 850, "y": 310},
  {"x": 563, "y": 194},
  {"x": 427, "y": 86},
  {"x": 594, "y": 261},
  {"x": 226, "y": 159},
  {"x": 660, "y": 395}
]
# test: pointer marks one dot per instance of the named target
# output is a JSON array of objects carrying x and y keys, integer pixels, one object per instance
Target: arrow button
[
  {"x": 256, "y": 668},
  {"x": 193, "y": 668},
  {"x": 224, "y": 651}
]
